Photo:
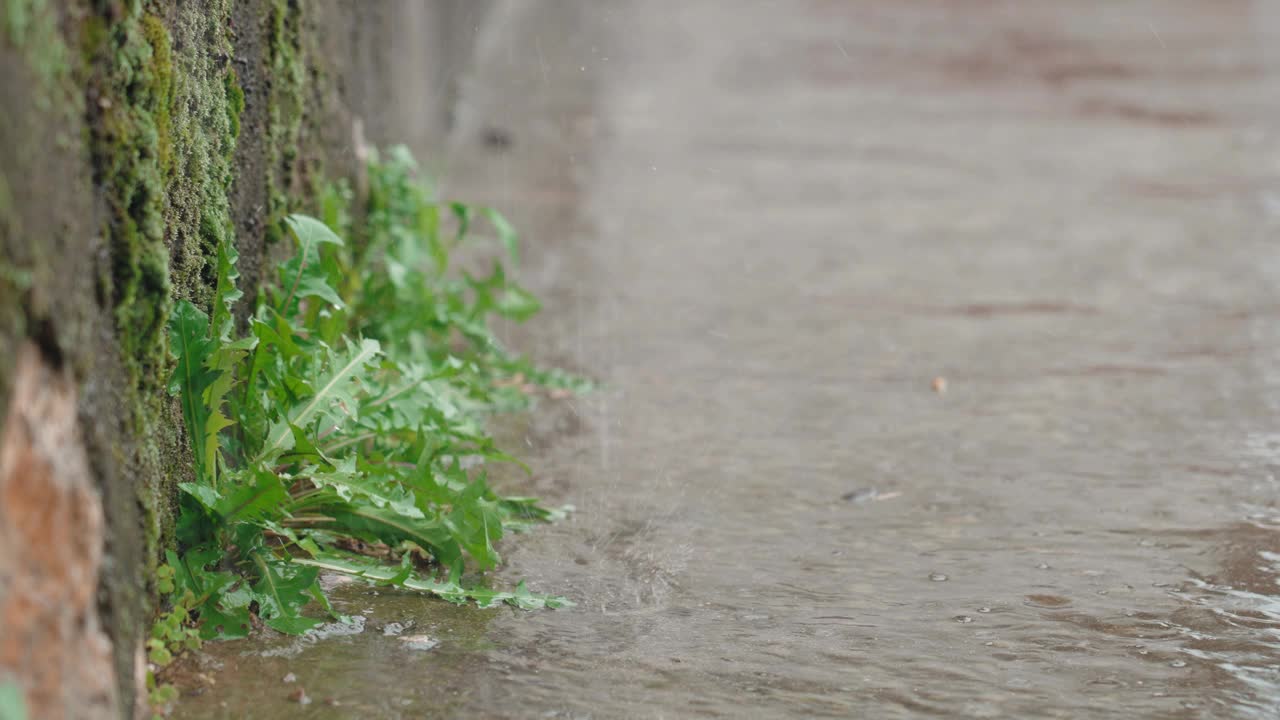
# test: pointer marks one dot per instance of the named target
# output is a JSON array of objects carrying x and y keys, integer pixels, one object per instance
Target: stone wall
[{"x": 135, "y": 137}]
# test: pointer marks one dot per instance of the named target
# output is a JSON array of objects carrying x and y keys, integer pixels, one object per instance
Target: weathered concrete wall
[
  {"x": 136, "y": 136},
  {"x": 396, "y": 70}
]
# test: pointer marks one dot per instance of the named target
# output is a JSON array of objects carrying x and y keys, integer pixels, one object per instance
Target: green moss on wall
[
  {"x": 163, "y": 108},
  {"x": 235, "y": 101},
  {"x": 161, "y": 71},
  {"x": 287, "y": 102},
  {"x": 204, "y": 137},
  {"x": 130, "y": 96}
]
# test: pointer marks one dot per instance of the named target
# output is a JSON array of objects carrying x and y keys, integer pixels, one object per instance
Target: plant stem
[{"x": 302, "y": 265}]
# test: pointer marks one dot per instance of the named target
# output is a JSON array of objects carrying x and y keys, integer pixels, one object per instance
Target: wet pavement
[{"x": 767, "y": 228}]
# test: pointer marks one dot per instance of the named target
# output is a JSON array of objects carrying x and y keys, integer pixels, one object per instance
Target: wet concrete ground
[{"x": 766, "y": 228}]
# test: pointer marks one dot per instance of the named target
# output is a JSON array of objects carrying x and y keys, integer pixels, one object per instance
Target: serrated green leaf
[
  {"x": 462, "y": 215},
  {"x": 304, "y": 451},
  {"x": 283, "y": 588},
  {"x": 517, "y": 303},
  {"x": 192, "y": 377},
  {"x": 226, "y": 617},
  {"x": 506, "y": 233},
  {"x": 450, "y": 589},
  {"x": 225, "y": 294},
  {"x": 354, "y": 487},
  {"x": 476, "y": 524},
  {"x": 391, "y": 527},
  {"x": 330, "y": 388},
  {"x": 278, "y": 335},
  {"x": 258, "y": 493}
]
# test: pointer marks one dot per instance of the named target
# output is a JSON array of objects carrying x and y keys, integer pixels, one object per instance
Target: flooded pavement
[{"x": 767, "y": 228}]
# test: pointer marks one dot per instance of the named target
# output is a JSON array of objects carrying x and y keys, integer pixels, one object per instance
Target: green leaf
[
  {"x": 191, "y": 572},
  {"x": 450, "y": 589},
  {"x": 223, "y": 362},
  {"x": 222, "y": 614},
  {"x": 226, "y": 617},
  {"x": 225, "y": 294},
  {"x": 330, "y": 388},
  {"x": 306, "y": 275},
  {"x": 351, "y": 486},
  {"x": 158, "y": 653},
  {"x": 205, "y": 495},
  {"x": 192, "y": 377},
  {"x": 278, "y": 336},
  {"x": 462, "y": 215},
  {"x": 506, "y": 233},
  {"x": 317, "y": 286},
  {"x": 163, "y": 695},
  {"x": 258, "y": 494},
  {"x": 517, "y": 303},
  {"x": 476, "y": 524},
  {"x": 391, "y": 527},
  {"x": 283, "y": 588},
  {"x": 310, "y": 231},
  {"x": 304, "y": 451}
]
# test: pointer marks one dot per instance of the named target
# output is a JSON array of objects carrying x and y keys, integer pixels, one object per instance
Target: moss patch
[
  {"x": 162, "y": 109},
  {"x": 129, "y": 102},
  {"x": 235, "y": 101},
  {"x": 204, "y": 137},
  {"x": 287, "y": 101}
]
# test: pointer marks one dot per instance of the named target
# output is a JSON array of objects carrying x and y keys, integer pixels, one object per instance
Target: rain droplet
[
  {"x": 1178, "y": 663},
  {"x": 984, "y": 609},
  {"x": 1042, "y": 566},
  {"x": 963, "y": 619},
  {"x": 938, "y": 577}
]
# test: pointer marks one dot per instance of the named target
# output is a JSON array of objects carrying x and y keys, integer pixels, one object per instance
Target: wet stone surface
[{"x": 768, "y": 228}]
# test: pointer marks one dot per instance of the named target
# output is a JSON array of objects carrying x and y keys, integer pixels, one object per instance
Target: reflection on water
[
  {"x": 400, "y": 656},
  {"x": 1234, "y": 621},
  {"x": 766, "y": 227}
]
